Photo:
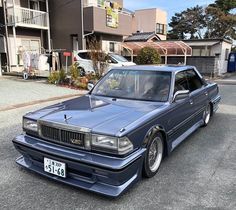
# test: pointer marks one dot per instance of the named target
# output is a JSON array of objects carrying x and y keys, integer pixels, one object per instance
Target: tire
[
  {"x": 153, "y": 156},
  {"x": 207, "y": 115}
]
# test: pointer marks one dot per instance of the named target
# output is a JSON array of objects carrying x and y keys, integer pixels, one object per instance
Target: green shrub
[
  {"x": 81, "y": 85},
  {"x": 62, "y": 76},
  {"x": 148, "y": 55},
  {"x": 74, "y": 72},
  {"x": 57, "y": 77}
]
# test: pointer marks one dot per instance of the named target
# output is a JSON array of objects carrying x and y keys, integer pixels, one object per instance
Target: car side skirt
[{"x": 181, "y": 138}]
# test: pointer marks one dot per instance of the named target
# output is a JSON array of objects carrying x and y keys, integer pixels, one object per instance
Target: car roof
[{"x": 168, "y": 68}]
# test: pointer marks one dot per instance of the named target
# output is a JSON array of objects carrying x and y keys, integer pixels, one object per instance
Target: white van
[{"x": 86, "y": 64}]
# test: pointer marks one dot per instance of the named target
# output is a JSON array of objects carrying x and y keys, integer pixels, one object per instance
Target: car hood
[{"x": 100, "y": 114}]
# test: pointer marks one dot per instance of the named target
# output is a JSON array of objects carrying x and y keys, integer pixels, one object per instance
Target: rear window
[{"x": 84, "y": 55}]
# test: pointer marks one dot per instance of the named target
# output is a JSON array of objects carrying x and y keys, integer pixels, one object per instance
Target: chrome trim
[{"x": 66, "y": 127}]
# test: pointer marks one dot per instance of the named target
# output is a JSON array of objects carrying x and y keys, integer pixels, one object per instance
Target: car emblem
[
  {"x": 76, "y": 141},
  {"x": 66, "y": 118}
]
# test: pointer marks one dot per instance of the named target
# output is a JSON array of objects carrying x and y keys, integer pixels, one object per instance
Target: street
[{"x": 199, "y": 174}]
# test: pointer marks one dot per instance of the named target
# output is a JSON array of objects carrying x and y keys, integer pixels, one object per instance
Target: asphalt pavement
[{"x": 199, "y": 174}]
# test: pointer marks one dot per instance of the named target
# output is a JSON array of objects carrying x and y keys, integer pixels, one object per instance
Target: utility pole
[
  {"x": 6, "y": 34},
  {"x": 48, "y": 25},
  {"x": 82, "y": 24},
  {"x": 14, "y": 32}
]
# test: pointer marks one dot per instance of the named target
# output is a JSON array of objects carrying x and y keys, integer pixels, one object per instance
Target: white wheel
[
  {"x": 153, "y": 156},
  {"x": 207, "y": 115}
]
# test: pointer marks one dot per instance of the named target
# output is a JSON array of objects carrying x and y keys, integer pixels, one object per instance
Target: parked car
[
  {"x": 106, "y": 140},
  {"x": 86, "y": 65}
]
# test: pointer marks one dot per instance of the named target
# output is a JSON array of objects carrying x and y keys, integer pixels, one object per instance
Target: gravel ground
[
  {"x": 199, "y": 174},
  {"x": 15, "y": 90}
]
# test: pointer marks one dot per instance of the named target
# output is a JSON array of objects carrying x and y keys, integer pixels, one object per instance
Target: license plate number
[{"x": 55, "y": 167}]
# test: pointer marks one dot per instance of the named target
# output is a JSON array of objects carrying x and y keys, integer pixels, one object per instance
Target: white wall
[{"x": 221, "y": 49}]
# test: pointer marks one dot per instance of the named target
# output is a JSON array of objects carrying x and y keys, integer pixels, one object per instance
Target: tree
[
  {"x": 148, "y": 55},
  {"x": 225, "y": 5},
  {"x": 219, "y": 24},
  {"x": 98, "y": 57},
  {"x": 215, "y": 21},
  {"x": 189, "y": 23}
]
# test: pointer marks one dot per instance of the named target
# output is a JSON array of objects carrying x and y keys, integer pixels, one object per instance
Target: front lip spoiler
[
  {"x": 106, "y": 175},
  {"x": 97, "y": 187}
]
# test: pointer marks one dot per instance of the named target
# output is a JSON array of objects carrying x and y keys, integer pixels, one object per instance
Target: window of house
[
  {"x": 112, "y": 47},
  {"x": 31, "y": 45},
  {"x": 194, "y": 82},
  {"x": 160, "y": 28},
  {"x": 226, "y": 54},
  {"x": 34, "y": 5}
]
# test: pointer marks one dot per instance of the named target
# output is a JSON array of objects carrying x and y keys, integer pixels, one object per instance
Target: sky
[{"x": 171, "y": 6}]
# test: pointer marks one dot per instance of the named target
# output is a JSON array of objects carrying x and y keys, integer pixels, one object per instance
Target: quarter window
[{"x": 194, "y": 82}]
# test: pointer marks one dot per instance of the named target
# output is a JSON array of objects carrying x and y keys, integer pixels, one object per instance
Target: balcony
[
  {"x": 24, "y": 17},
  {"x": 95, "y": 20}
]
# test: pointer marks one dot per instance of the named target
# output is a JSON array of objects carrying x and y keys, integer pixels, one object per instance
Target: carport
[{"x": 164, "y": 48}]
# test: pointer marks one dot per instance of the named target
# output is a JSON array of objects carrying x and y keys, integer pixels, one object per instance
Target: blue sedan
[{"x": 120, "y": 131}]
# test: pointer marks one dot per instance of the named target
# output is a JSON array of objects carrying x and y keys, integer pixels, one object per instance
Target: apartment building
[
  {"x": 73, "y": 23},
  {"x": 25, "y": 25}
]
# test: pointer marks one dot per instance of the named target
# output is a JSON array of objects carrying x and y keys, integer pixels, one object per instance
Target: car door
[
  {"x": 85, "y": 62},
  {"x": 181, "y": 111},
  {"x": 198, "y": 94}
]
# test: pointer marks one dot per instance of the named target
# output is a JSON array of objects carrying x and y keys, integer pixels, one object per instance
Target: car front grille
[{"x": 62, "y": 136}]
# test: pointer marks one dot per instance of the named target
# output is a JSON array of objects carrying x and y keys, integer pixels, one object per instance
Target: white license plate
[{"x": 55, "y": 167}]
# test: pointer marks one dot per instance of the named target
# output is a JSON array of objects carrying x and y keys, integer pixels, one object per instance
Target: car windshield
[
  {"x": 135, "y": 84},
  {"x": 119, "y": 58}
]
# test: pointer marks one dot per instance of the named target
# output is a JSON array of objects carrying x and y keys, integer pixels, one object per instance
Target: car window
[
  {"x": 181, "y": 82},
  {"x": 136, "y": 85},
  {"x": 194, "y": 82},
  {"x": 84, "y": 55},
  {"x": 112, "y": 60}
]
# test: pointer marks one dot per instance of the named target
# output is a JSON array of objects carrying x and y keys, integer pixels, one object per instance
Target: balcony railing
[{"x": 25, "y": 17}]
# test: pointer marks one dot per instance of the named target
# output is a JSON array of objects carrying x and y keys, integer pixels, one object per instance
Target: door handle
[
  {"x": 206, "y": 93},
  {"x": 191, "y": 102}
]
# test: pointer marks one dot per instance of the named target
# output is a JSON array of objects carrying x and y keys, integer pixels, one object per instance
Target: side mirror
[
  {"x": 90, "y": 86},
  {"x": 180, "y": 95}
]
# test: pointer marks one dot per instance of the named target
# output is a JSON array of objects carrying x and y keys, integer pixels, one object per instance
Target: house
[
  {"x": 143, "y": 37},
  {"x": 210, "y": 55},
  {"x": 73, "y": 24},
  {"x": 25, "y": 25},
  {"x": 149, "y": 20}
]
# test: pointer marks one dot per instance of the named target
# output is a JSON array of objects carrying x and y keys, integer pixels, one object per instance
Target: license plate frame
[{"x": 55, "y": 167}]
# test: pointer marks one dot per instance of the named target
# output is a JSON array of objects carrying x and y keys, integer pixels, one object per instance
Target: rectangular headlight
[
  {"x": 30, "y": 125},
  {"x": 110, "y": 144}
]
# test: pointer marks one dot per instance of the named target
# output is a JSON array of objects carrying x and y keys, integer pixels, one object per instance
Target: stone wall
[{"x": 206, "y": 65}]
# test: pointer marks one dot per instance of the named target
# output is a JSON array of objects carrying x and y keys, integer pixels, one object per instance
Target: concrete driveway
[
  {"x": 199, "y": 174},
  {"x": 16, "y": 92}
]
